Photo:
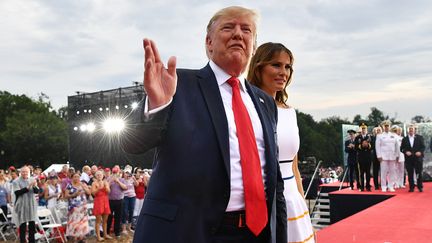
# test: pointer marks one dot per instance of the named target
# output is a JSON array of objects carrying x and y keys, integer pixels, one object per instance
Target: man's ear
[{"x": 209, "y": 44}]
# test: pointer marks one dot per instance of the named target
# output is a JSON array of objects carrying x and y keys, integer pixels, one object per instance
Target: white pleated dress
[{"x": 299, "y": 223}]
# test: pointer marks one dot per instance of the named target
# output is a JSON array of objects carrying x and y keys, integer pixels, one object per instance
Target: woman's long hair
[{"x": 263, "y": 56}]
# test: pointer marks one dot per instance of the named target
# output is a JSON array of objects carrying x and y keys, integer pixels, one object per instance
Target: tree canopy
[{"x": 30, "y": 132}]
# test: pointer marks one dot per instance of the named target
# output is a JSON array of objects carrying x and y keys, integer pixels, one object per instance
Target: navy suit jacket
[
  {"x": 418, "y": 146},
  {"x": 352, "y": 153},
  {"x": 190, "y": 186}
]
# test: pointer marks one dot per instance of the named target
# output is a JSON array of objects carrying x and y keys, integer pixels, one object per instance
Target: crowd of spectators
[
  {"x": 115, "y": 195},
  {"x": 329, "y": 174}
]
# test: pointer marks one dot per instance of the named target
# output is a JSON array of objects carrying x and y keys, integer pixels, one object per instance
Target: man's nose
[{"x": 237, "y": 32}]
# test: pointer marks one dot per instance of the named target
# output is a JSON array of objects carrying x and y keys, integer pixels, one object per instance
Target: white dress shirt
[
  {"x": 236, "y": 200},
  {"x": 411, "y": 140}
]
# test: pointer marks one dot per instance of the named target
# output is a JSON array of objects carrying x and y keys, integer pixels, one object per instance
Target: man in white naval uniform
[
  {"x": 387, "y": 149},
  {"x": 400, "y": 164}
]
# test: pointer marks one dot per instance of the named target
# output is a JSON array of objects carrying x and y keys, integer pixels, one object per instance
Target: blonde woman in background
[{"x": 101, "y": 208}]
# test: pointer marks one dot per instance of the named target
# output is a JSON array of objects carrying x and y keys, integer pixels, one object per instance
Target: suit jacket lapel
[
  {"x": 209, "y": 88},
  {"x": 268, "y": 132}
]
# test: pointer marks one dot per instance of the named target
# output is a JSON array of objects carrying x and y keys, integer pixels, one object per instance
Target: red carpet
[{"x": 404, "y": 218}]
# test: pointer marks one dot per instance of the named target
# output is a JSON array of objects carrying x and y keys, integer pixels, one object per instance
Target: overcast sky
[{"x": 350, "y": 55}]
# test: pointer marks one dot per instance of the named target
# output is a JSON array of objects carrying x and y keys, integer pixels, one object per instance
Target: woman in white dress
[
  {"x": 271, "y": 70},
  {"x": 52, "y": 192}
]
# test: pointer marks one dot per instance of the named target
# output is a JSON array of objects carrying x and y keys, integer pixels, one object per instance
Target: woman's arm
[
  {"x": 122, "y": 186},
  {"x": 86, "y": 189},
  {"x": 20, "y": 192},
  {"x": 95, "y": 187},
  {"x": 68, "y": 195},
  {"x": 135, "y": 182},
  {"x": 46, "y": 193},
  {"x": 298, "y": 176},
  {"x": 107, "y": 186}
]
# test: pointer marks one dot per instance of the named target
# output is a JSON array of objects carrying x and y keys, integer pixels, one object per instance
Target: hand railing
[
  {"x": 343, "y": 179},
  {"x": 312, "y": 178}
]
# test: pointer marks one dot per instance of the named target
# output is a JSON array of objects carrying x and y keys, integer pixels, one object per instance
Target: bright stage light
[
  {"x": 91, "y": 127},
  {"x": 117, "y": 107},
  {"x": 83, "y": 128},
  {"x": 100, "y": 109},
  {"x": 75, "y": 128},
  {"x": 112, "y": 125},
  {"x": 134, "y": 105}
]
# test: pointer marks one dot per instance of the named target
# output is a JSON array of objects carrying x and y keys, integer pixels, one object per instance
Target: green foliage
[
  {"x": 376, "y": 117},
  {"x": 357, "y": 119},
  {"x": 30, "y": 132},
  {"x": 420, "y": 119},
  {"x": 321, "y": 140}
]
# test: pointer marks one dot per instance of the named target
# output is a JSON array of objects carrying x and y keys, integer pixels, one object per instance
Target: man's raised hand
[{"x": 159, "y": 82}]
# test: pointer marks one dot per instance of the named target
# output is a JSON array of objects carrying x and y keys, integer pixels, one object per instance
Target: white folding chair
[
  {"x": 48, "y": 225},
  {"x": 60, "y": 213},
  {"x": 7, "y": 225},
  {"x": 91, "y": 218}
]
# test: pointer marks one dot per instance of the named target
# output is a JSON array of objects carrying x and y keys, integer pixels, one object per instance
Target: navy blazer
[
  {"x": 190, "y": 186},
  {"x": 352, "y": 153},
  {"x": 418, "y": 146}
]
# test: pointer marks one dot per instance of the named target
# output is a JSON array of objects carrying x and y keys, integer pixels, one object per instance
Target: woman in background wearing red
[{"x": 101, "y": 209}]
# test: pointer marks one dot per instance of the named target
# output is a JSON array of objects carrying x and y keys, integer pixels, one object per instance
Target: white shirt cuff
[{"x": 155, "y": 110}]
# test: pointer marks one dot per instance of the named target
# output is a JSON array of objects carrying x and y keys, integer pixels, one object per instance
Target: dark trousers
[
  {"x": 353, "y": 169},
  {"x": 128, "y": 209},
  {"x": 413, "y": 164},
  {"x": 5, "y": 212},
  {"x": 232, "y": 234},
  {"x": 116, "y": 207},
  {"x": 365, "y": 165},
  {"x": 31, "y": 230},
  {"x": 376, "y": 172}
]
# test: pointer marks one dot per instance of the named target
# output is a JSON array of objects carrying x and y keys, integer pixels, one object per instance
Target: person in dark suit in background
[
  {"x": 364, "y": 156},
  {"x": 200, "y": 190},
  {"x": 430, "y": 144},
  {"x": 352, "y": 159},
  {"x": 413, "y": 147},
  {"x": 375, "y": 162}
]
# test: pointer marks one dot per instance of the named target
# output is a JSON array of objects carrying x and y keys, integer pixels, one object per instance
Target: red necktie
[{"x": 255, "y": 201}]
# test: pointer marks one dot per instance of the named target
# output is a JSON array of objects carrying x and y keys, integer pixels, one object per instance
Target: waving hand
[{"x": 159, "y": 82}]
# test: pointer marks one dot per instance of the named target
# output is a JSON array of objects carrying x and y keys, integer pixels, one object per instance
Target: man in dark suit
[
  {"x": 352, "y": 158},
  {"x": 364, "y": 156},
  {"x": 413, "y": 147},
  {"x": 198, "y": 191},
  {"x": 375, "y": 162},
  {"x": 430, "y": 145}
]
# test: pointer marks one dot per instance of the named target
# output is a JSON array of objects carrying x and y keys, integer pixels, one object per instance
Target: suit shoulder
[
  {"x": 261, "y": 93},
  {"x": 186, "y": 73}
]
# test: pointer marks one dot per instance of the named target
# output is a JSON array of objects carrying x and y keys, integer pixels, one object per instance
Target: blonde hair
[
  {"x": 233, "y": 11},
  {"x": 230, "y": 12}
]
